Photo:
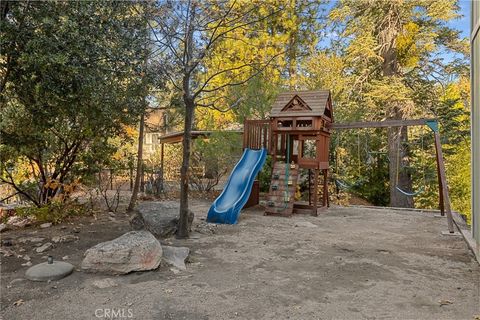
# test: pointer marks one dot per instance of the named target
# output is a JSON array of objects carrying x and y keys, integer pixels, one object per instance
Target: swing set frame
[{"x": 432, "y": 124}]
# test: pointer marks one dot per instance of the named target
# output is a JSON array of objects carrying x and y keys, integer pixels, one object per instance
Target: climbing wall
[{"x": 282, "y": 191}]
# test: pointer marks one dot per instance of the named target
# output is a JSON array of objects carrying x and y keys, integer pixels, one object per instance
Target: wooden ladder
[{"x": 281, "y": 197}]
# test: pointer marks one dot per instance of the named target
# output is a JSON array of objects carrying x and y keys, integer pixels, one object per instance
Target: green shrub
[
  {"x": 54, "y": 212},
  {"x": 265, "y": 175}
]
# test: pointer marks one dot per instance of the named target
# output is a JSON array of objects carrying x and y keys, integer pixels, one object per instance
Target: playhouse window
[
  {"x": 304, "y": 123},
  {"x": 285, "y": 123},
  {"x": 309, "y": 149}
]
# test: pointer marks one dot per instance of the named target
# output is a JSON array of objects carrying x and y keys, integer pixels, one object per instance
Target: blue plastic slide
[{"x": 226, "y": 208}]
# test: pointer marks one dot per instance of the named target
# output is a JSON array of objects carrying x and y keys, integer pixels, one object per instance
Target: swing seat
[
  {"x": 344, "y": 185},
  {"x": 409, "y": 194}
]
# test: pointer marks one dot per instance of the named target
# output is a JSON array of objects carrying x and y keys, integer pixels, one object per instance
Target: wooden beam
[
  {"x": 380, "y": 124},
  {"x": 443, "y": 178}
]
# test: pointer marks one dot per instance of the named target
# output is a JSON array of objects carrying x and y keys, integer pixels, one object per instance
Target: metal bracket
[{"x": 432, "y": 124}]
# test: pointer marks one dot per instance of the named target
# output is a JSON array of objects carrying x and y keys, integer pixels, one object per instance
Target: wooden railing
[{"x": 257, "y": 134}]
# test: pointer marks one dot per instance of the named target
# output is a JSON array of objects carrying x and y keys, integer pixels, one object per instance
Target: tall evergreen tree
[{"x": 391, "y": 49}]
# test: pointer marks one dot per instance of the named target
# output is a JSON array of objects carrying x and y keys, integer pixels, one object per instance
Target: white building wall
[{"x": 475, "y": 93}]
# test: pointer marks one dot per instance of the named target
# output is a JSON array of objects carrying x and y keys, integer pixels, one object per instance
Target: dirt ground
[{"x": 347, "y": 263}]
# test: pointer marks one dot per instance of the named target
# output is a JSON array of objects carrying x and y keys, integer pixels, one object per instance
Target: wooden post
[
  {"x": 274, "y": 150},
  {"x": 441, "y": 201},
  {"x": 162, "y": 152},
  {"x": 325, "y": 188},
  {"x": 443, "y": 178},
  {"x": 309, "y": 187},
  {"x": 245, "y": 133},
  {"x": 315, "y": 193}
]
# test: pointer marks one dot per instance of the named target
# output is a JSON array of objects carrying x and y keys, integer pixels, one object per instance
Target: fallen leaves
[
  {"x": 445, "y": 302},
  {"x": 19, "y": 302}
]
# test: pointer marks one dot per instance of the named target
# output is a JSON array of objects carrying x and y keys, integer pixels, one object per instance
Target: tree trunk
[
  {"x": 189, "y": 100},
  {"x": 398, "y": 155},
  {"x": 136, "y": 186},
  {"x": 397, "y": 151},
  {"x": 183, "y": 228},
  {"x": 292, "y": 62}
]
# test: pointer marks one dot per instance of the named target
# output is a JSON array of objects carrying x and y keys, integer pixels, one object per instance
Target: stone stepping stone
[{"x": 49, "y": 271}]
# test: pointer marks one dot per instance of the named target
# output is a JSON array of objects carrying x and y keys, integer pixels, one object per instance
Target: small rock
[
  {"x": 6, "y": 252},
  {"x": 27, "y": 264},
  {"x": 65, "y": 238},
  {"x": 176, "y": 256},
  {"x": 26, "y": 258},
  {"x": 46, "y": 225},
  {"x": 105, "y": 283},
  {"x": 65, "y": 257},
  {"x": 3, "y": 227},
  {"x": 174, "y": 270},
  {"x": 204, "y": 228},
  {"x": 44, "y": 247},
  {"x": 18, "y": 222},
  {"x": 111, "y": 214},
  {"x": 7, "y": 242},
  {"x": 133, "y": 251},
  {"x": 30, "y": 239}
]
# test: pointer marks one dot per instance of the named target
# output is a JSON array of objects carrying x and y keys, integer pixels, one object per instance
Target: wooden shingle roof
[{"x": 317, "y": 101}]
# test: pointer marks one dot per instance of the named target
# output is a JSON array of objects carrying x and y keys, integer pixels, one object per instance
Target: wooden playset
[{"x": 297, "y": 136}]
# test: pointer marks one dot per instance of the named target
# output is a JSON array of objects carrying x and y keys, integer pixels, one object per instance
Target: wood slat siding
[{"x": 256, "y": 134}]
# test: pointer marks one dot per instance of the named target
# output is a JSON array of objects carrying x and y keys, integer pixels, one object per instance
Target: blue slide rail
[{"x": 226, "y": 208}]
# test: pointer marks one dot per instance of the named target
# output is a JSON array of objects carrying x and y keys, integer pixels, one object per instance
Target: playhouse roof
[{"x": 308, "y": 103}]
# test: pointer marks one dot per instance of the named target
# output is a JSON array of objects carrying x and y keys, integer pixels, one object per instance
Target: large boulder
[
  {"x": 133, "y": 251},
  {"x": 158, "y": 217}
]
